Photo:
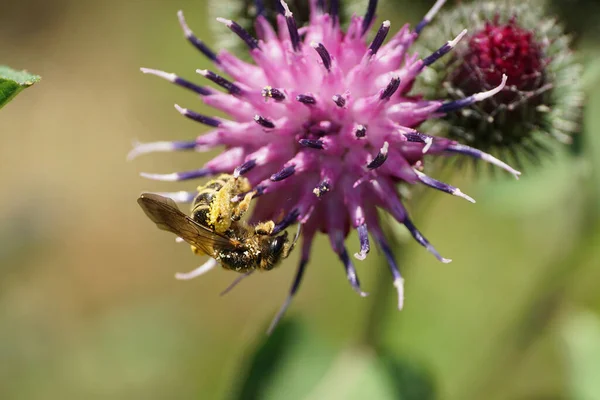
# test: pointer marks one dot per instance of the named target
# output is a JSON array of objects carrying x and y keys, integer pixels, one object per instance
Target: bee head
[
  {"x": 277, "y": 249},
  {"x": 277, "y": 245}
]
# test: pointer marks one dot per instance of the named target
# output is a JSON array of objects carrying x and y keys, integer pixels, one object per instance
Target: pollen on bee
[
  {"x": 264, "y": 228},
  {"x": 243, "y": 205},
  {"x": 197, "y": 251},
  {"x": 222, "y": 210},
  {"x": 266, "y": 92}
]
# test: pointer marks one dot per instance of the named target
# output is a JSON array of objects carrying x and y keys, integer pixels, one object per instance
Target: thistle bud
[{"x": 542, "y": 98}]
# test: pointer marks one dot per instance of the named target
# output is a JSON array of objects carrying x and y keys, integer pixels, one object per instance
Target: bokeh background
[{"x": 89, "y": 308}]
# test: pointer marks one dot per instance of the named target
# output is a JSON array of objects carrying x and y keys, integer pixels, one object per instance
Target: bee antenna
[
  {"x": 235, "y": 283},
  {"x": 298, "y": 231}
]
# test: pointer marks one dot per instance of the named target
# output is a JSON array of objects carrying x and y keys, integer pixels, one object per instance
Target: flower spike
[
  {"x": 179, "y": 197},
  {"x": 154, "y": 147},
  {"x": 369, "y": 16},
  {"x": 219, "y": 80},
  {"x": 201, "y": 270},
  {"x": 334, "y": 10},
  {"x": 202, "y": 91},
  {"x": 380, "y": 157},
  {"x": 194, "y": 116},
  {"x": 241, "y": 32},
  {"x": 197, "y": 43},
  {"x": 467, "y": 101},
  {"x": 429, "y": 16},
  {"x": 422, "y": 241},
  {"x": 291, "y": 24},
  {"x": 260, "y": 7},
  {"x": 351, "y": 272},
  {"x": 312, "y": 143},
  {"x": 178, "y": 176},
  {"x": 323, "y": 53},
  {"x": 365, "y": 247},
  {"x": 444, "y": 49},
  {"x": 466, "y": 150},
  {"x": 444, "y": 187},
  {"x": 380, "y": 37},
  {"x": 245, "y": 167},
  {"x": 398, "y": 281}
]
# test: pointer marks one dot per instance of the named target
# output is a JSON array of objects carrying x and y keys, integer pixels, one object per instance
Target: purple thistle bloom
[{"x": 324, "y": 126}]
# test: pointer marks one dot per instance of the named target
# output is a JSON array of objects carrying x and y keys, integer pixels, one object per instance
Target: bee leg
[
  {"x": 264, "y": 228},
  {"x": 204, "y": 268},
  {"x": 242, "y": 207},
  {"x": 235, "y": 282}
]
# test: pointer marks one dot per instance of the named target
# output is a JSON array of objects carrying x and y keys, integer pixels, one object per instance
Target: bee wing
[{"x": 167, "y": 216}]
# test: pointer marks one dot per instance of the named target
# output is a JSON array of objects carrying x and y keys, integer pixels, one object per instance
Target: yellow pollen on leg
[{"x": 264, "y": 228}]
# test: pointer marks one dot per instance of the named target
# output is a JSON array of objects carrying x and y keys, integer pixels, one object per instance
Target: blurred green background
[{"x": 89, "y": 307}]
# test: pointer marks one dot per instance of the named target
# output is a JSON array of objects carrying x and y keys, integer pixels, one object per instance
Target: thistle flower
[
  {"x": 542, "y": 99},
  {"x": 323, "y": 126}
]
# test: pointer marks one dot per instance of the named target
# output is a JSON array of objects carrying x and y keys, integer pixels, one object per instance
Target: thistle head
[
  {"x": 542, "y": 99},
  {"x": 324, "y": 125}
]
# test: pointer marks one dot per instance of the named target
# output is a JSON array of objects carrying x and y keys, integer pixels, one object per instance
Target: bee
[{"x": 215, "y": 227}]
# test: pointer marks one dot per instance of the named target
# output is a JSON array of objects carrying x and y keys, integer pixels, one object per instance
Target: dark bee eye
[{"x": 277, "y": 245}]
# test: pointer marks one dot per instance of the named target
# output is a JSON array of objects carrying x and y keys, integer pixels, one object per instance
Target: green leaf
[
  {"x": 361, "y": 374},
  {"x": 12, "y": 82},
  {"x": 355, "y": 375},
  {"x": 295, "y": 364},
  {"x": 581, "y": 334},
  {"x": 286, "y": 365},
  {"x": 411, "y": 380}
]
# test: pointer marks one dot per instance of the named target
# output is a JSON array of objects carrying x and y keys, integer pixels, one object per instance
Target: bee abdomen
[
  {"x": 202, "y": 205},
  {"x": 240, "y": 260},
  {"x": 216, "y": 184},
  {"x": 201, "y": 214},
  {"x": 204, "y": 198},
  {"x": 207, "y": 193}
]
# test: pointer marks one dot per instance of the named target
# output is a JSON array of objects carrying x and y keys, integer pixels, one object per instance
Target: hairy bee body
[
  {"x": 201, "y": 207},
  {"x": 215, "y": 227}
]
